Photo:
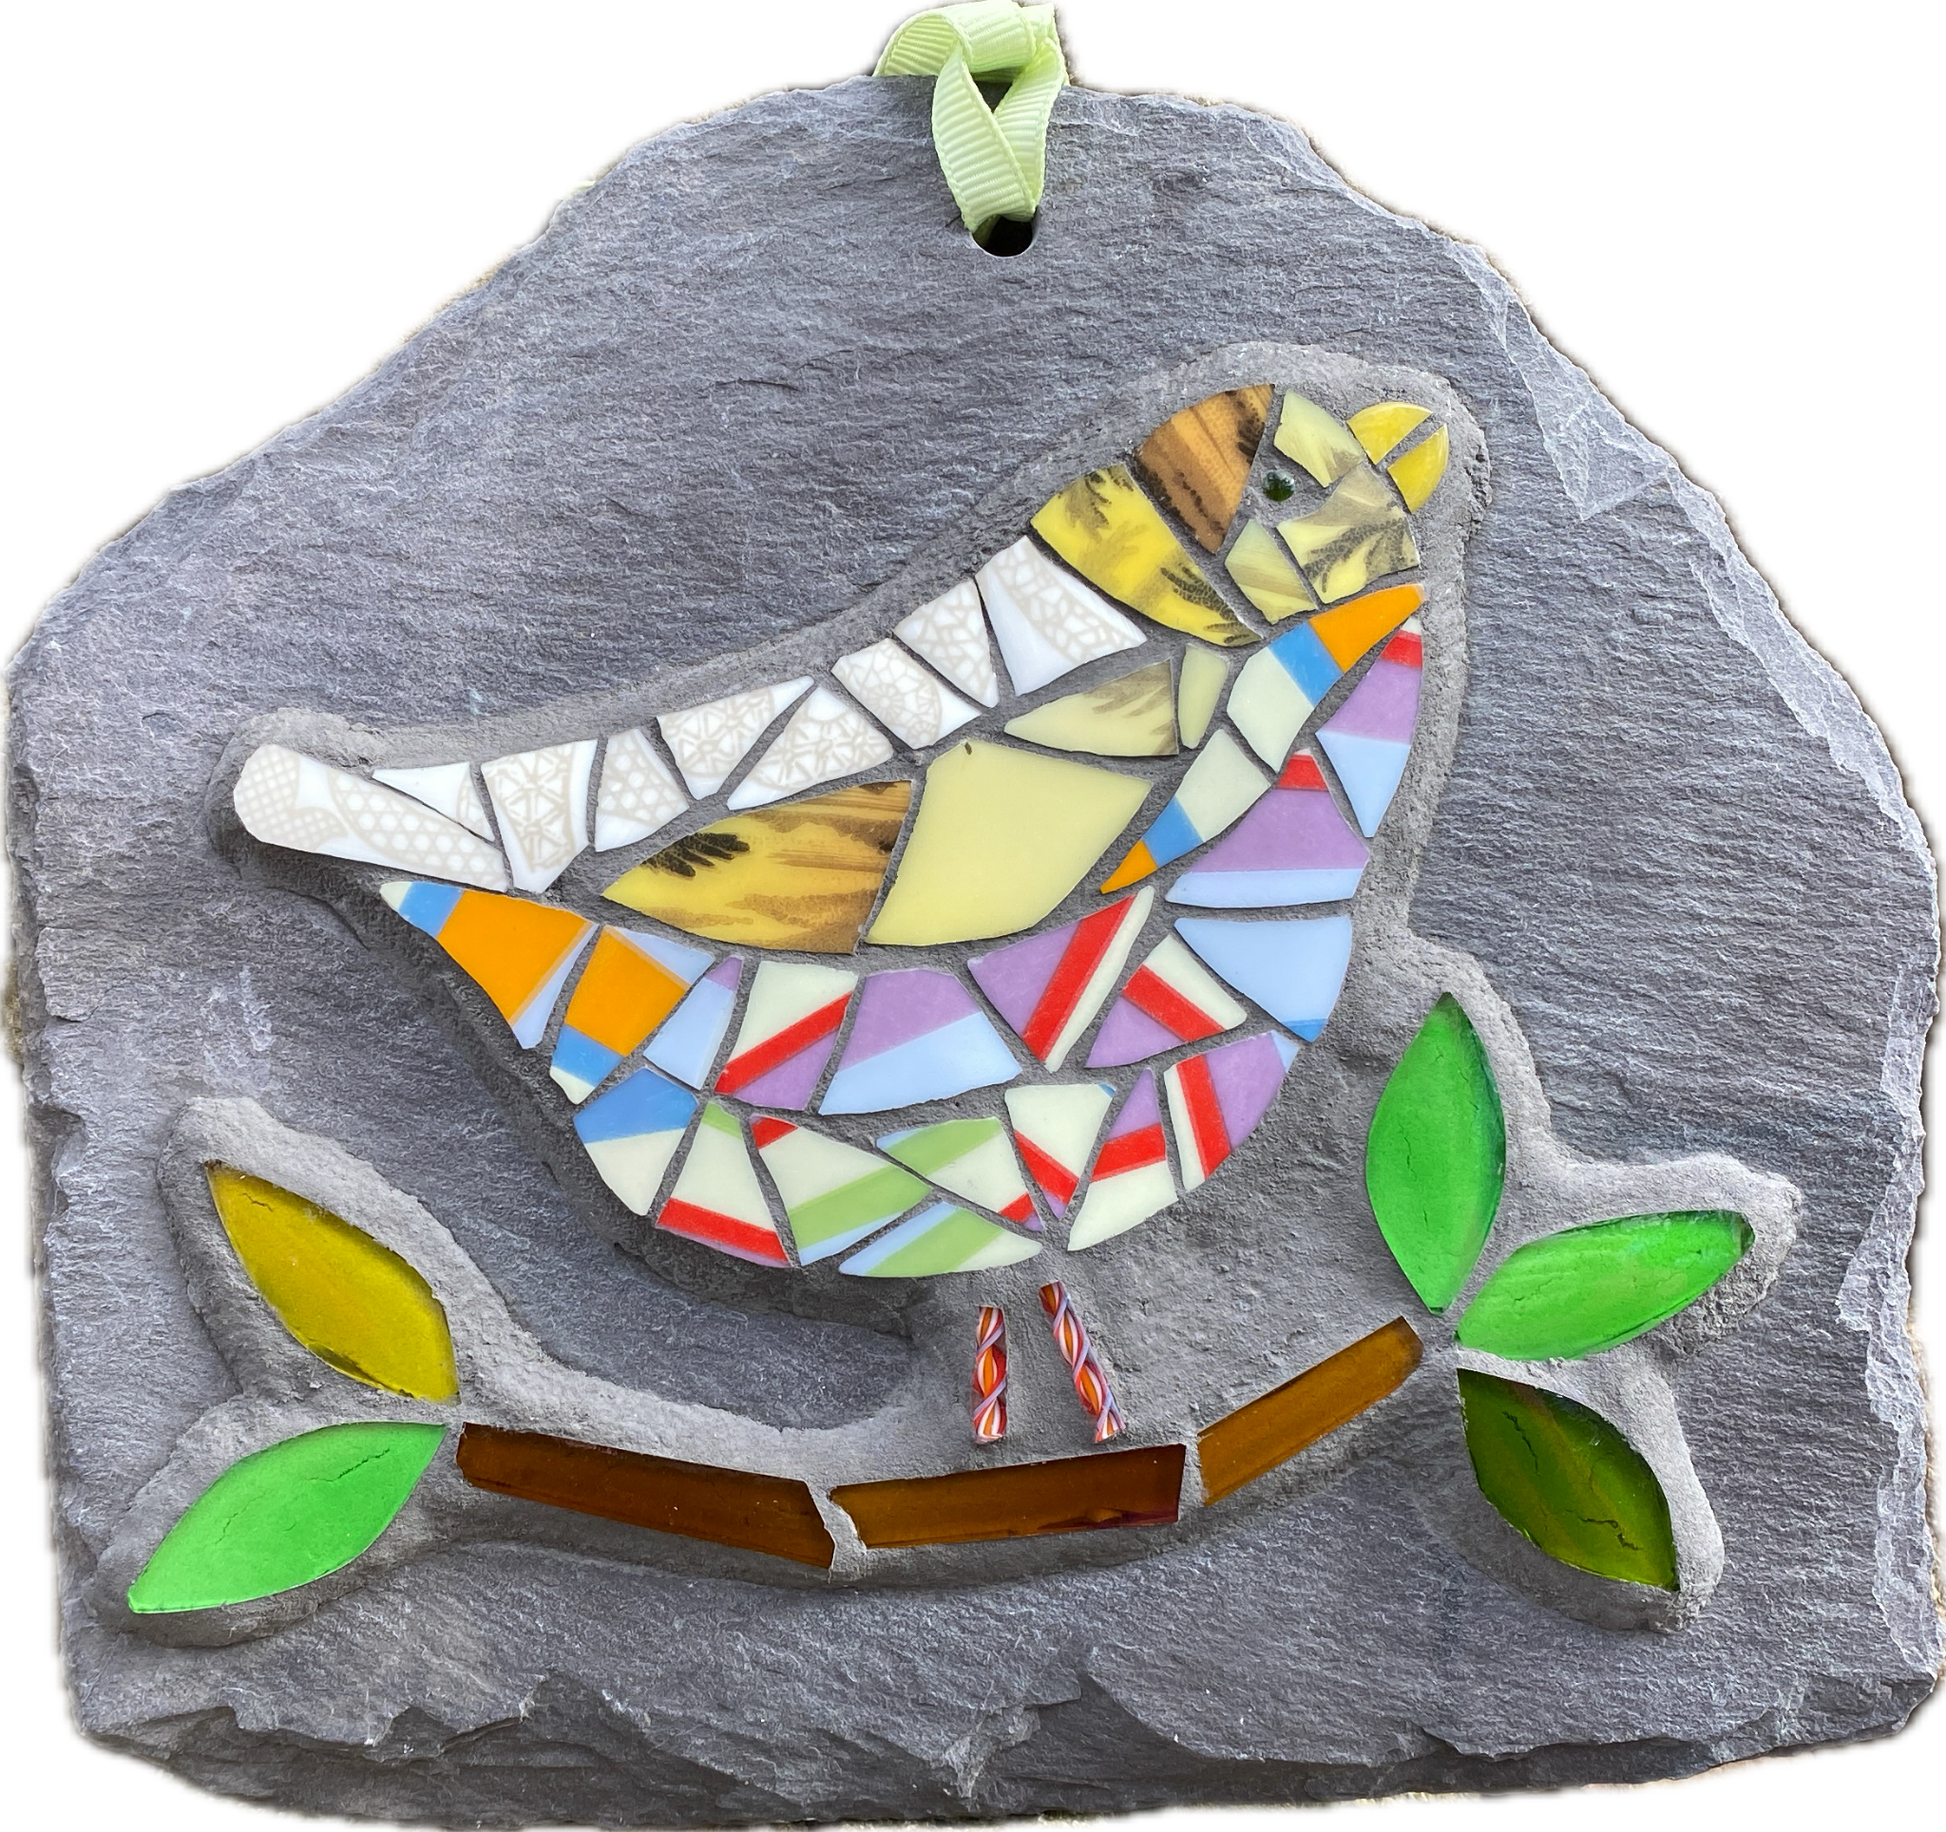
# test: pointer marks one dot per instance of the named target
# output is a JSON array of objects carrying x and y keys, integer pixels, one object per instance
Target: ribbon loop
[{"x": 994, "y": 159}]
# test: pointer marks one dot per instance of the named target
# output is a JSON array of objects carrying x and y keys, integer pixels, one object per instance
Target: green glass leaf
[
  {"x": 1436, "y": 1155},
  {"x": 1587, "y": 1289},
  {"x": 283, "y": 1516},
  {"x": 1567, "y": 1479}
]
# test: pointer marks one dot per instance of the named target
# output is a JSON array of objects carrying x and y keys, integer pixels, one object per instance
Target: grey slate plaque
[{"x": 1662, "y": 849}]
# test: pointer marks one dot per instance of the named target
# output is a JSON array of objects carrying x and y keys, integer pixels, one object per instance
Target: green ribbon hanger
[{"x": 994, "y": 159}]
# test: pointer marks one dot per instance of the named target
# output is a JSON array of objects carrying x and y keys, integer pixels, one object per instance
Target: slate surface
[{"x": 1671, "y": 837}]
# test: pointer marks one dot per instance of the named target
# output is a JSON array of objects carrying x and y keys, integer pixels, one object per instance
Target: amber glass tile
[
  {"x": 1255, "y": 1438},
  {"x": 729, "y": 1507},
  {"x": 1198, "y": 461},
  {"x": 1123, "y": 1488}
]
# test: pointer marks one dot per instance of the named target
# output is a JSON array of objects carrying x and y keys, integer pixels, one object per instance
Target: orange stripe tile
[
  {"x": 622, "y": 994},
  {"x": 509, "y": 945},
  {"x": 1349, "y": 630}
]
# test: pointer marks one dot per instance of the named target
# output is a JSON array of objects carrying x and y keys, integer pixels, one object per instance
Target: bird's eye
[{"x": 1279, "y": 488}]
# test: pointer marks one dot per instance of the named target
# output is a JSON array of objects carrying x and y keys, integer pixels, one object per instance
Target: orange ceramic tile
[
  {"x": 1348, "y": 631},
  {"x": 516, "y": 951},
  {"x": 623, "y": 993}
]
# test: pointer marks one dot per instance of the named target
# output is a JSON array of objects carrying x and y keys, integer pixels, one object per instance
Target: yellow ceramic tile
[
  {"x": 1265, "y": 577},
  {"x": 1360, "y": 534},
  {"x": 1198, "y": 461},
  {"x": 1417, "y": 474},
  {"x": 1318, "y": 441},
  {"x": 1379, "y": 429},
  {"x": 1110, "y": 533},
  {"x": 349, "y": 1300},
  {"x": 1203, "y": 675},
  {"x": 1128, "y": 717},
  {"x": 1001, "y": 837},
  {"x": 799, "y": 875}
]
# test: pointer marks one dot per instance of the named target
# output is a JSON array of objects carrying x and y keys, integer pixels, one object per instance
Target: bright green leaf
[
  {"x": 1588, "y": 1289},
  {"x": 1567, "y": 1479},
  {"x": 286, "y": 1515},
  {"x": 1436, "y": 1155}
]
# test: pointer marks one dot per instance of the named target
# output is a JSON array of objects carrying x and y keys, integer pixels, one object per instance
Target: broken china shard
[{"x": 953, "y": 1051}]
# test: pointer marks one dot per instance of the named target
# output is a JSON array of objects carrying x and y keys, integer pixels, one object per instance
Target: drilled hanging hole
[{"x": 1007, "y": 235}]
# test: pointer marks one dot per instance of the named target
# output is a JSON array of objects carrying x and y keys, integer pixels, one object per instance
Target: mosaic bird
[{"x": 912, "y": 965}]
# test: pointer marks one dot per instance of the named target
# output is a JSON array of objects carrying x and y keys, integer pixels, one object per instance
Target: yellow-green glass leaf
[
  {"x": 1133, "y": 716},
  {"x": 1588, "y": 1289},
  {"x": 284, "y": 1516},
  {"x": 1359, "y": 534},
  {"x": 1265, "y": 577},
  {"x": 1000, "y": 838},
  {"x": 1567, "y": 1479},
  {"x": 1197, "y": 693},
  {"x": 1417, "y": 474},
  {"x": 1379, "y": 429},
  {"x": 1113, "y": 536},
  {"x": 1436, "y": 1155},
  {"x": 350, "y": 1301},
  {"x": 1317, "y": 440}
]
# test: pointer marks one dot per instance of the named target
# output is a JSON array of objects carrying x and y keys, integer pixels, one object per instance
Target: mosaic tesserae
[{"x": 984, "y": 1035}]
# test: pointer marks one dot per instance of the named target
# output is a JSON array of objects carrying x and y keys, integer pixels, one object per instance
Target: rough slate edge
[
  {"x": 1917, "y": 1320},
  {"x": 1917, "y": 1324}
]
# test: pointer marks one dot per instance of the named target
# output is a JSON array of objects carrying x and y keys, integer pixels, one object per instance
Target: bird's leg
[
  {"x": 1090, "y": 1381},
  {"x": 990, "y": 1376}
]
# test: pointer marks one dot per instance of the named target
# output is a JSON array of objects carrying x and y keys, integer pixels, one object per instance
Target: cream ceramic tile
[
  {"x": 1266, "y": 577},
  {"x": 1199, "y": 691},
  {"x": 1215, "y": 790},
  {"x": 1055, "y": 1127},
  {"x": 709, "y": 741},
  {"x": 718, "y": 1200},
  {"x": 637, "y": 794},
  {"x": 968, "y": 1158},
  {"x": 827, "y": 738},
  {"x": 1000, "y": 838},
  {"x": 1317, "y": 440},
  {"x": 903, "y": 696},
  {"x": 1130, "y": 716},
  {"x": 540, "y": 799},
  {"x": 834, "y": 1193},
  {"x": 287, "y": 799}
]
